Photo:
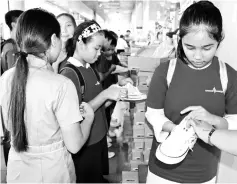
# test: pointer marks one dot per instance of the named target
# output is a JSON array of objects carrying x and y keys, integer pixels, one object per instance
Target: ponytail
[
  {"x": 18, "y": 103},
  {"x": 70, "y": 47}
]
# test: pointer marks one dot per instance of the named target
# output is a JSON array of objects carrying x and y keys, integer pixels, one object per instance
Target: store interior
[{"x": 145, "y": 19}]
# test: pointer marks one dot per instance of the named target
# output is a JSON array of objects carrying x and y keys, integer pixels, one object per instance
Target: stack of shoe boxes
[{"x": 142, "y": 136}]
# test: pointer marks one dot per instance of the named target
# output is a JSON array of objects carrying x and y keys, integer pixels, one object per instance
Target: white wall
[{"x": 228, "y": 48}]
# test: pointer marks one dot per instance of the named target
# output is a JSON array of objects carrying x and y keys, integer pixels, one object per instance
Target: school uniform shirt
[
  {"x": 187, "y": 88},
  {"x": 103, "y": 65},
  {"x": 51, "y": 103},
  {"x": 93, "y": 87}
]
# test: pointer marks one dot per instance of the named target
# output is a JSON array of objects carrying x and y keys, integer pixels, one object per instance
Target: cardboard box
[
  {"x": 146, "y": 64},
  {"x": 138, "y": 131},
  {"x": 134, "y": 164},
  {"x": 140, "y": 106},
  {"x": 138, "y": 144},
  {"x": 139, "y": 116},
  {"x": 148, "y": 143},
  {"x": 137, "y": 155},
  {"x": 148, "y": 131},
  {"x": 129, "y": 177},
  {"x": 146, "y": 155}
]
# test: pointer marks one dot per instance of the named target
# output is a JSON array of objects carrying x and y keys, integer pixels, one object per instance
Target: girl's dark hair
[
  {"x": 200, "y": 13},
  {"x": 71, "y": 42},
  {"x": 69, "y": 16},
  {"x": 33, "y": 36},
  {"x": 11, "y": 17}
]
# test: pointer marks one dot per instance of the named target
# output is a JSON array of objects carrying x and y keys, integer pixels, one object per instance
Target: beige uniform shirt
[{"x": 51, "y": 103}]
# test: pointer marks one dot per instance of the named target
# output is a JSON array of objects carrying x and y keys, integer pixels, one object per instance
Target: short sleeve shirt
[
  {"x": 51, "y": 103},
  {"x": 103, "y": 65},
  {"x": 190, "y": 87}
]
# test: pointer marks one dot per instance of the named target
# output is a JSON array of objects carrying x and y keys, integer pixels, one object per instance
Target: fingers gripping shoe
[{"x": 177, "y": 145}]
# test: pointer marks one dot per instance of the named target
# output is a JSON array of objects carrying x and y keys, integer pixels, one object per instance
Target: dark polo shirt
[
  {"x": 188, "y": 88},
  {"x": 92, "y": 89}
]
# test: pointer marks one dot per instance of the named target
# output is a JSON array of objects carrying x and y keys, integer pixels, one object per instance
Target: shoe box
[
  {"x": 148, "y": 143},
  {"x": 146, "y": 155},
  {"x": 139, "y": 116},
  {"x": 138, "y": 131},
  {"x": 130, "y": 177},
  {"x": 138, "y": 144},
  {"x": 134, "y": 164}
]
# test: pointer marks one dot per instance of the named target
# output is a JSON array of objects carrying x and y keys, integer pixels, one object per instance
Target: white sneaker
[
  {"x": 114, "y": 123},
  {"x": 109, "y": 139},
  {"x": 118, "y": 132},
  {"x": 111, "y": 154},
  {"x": 109, "y": 144},
  {"x": 111, "y": 133},
  {"x": 177, "y": 145}
]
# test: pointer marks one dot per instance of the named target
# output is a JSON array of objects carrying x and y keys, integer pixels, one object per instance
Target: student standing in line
[
  {"x": 92, "y": 160},
  {"x": 68, "y": 26},
  {"x": 41, "y": 108},
  {"x": 105, "y": 65},
  {"x": 196, "y": 87},
  {"x": 9, "y": 48}
]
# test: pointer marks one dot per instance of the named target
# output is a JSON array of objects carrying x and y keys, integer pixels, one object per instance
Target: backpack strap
[
  {"x": 223, "y": 76},
  {"x": 96, "y": 73},
  {"x": 170, "y": 71},
  {"x": 79, "y": 77}
]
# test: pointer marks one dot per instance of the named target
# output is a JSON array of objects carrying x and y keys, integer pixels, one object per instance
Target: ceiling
[{"x": 106, "y": 7}]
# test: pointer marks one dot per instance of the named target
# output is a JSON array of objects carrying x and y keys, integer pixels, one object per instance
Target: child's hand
[
  {"x": 86, "y": 111},
  {"x": 115, "y": 92},
  {"x": 113, "y": 67}
]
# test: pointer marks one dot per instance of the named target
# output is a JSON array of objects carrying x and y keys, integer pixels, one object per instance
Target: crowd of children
[{"x": 58, "y": 91}]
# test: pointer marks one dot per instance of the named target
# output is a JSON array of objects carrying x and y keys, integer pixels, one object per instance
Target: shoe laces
[{"x": 191, "y": 140}]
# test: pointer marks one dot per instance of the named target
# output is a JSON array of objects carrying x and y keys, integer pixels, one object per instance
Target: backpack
[
  {"x": 8, "y": 57},
  {"x": 81, "y": 80},
  {"x": 223, "y": 74}
]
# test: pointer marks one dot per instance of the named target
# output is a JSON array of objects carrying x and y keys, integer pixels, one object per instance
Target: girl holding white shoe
[{"x": 196, "y": 87}]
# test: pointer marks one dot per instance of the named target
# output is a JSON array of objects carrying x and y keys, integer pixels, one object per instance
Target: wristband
[{"x": 210, "y": 134}]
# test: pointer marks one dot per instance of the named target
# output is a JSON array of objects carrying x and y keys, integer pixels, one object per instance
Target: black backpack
[
  {"x": 4, "y": 56},
  {"x": 80, "y": 78}
]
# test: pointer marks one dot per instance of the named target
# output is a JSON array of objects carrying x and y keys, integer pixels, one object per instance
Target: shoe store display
[
  {"x": 177, "y": 145},
  {"x": 133, "y": 93}
]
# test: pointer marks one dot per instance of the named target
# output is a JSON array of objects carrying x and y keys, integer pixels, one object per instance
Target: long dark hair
[
  {"x": 71, "y": 43},
  {"x": 33, "y": 36},
  {"x": 200, "y": 13}
]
